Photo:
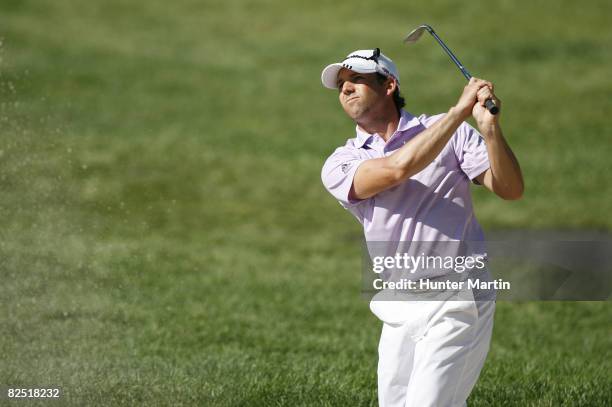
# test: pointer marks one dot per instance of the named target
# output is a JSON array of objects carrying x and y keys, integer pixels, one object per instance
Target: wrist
[
  {"x": 489, "y": 128},
  {"x": 457, "y": 114}
]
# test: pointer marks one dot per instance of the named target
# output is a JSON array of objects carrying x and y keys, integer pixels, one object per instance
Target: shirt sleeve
[
  {"x": 471, "y": 151},
  {"x": 337, "y": 175}
]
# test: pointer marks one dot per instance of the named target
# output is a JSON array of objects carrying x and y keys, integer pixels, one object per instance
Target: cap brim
[{"x": 329, "y": 76}]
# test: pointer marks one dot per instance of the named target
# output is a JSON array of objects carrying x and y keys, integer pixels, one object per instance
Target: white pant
[{"x": 434, "y": 357}]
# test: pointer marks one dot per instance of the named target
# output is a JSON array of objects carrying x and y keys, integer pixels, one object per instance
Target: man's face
[{"x": 360, "y": 94}]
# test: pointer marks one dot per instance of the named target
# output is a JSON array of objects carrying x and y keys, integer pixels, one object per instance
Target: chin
[{"x": 353, "y": 112}]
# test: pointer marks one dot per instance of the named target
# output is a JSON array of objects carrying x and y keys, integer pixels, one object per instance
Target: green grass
[{"x": 165, "y": 238}]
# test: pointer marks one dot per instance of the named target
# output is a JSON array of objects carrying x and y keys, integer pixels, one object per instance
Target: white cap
[{"x": 362, "y": 61}]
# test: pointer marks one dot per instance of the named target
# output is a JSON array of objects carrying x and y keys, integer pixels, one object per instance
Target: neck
[{"x": 383, "y": 125}]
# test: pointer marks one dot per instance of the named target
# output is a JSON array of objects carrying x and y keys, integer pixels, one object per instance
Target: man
[{"x": 407, "y": 179}]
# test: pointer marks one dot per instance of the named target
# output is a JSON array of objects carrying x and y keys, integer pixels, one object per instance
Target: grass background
[{"x": 165, "y": 238}]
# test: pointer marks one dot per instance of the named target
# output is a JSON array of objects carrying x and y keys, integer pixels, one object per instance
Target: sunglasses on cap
[{"x": 373, "y": 57}]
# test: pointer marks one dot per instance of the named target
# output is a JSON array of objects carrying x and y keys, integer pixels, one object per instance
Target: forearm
[
  {"x": 506, "y": 176},
  {"x": 420, "y": 151}
]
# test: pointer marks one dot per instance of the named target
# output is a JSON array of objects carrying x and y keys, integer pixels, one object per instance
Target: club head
[{"x": 416, "y": 33}]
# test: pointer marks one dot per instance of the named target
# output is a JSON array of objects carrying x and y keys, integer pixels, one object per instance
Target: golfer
[{"x": 406, "y": 178}]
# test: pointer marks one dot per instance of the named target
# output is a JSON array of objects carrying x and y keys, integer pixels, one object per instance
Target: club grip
[{"x": 491, "y": 106}]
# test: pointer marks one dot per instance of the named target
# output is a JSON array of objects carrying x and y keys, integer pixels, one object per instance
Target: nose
[{"x": 348, "y": 87}]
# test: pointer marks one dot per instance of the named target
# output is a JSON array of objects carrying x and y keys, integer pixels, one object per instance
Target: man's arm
[
  {"x": 379, "y": 174},
  {"x": 504, "y": 177}
]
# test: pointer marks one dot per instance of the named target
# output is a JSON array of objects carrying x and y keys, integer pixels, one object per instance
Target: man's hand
[
  {"x": 470, "y": 98},
  {"x": 483, "y": 117}
]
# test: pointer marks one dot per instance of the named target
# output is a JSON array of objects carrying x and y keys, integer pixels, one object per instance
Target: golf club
[{"x": 414, "y": 37}]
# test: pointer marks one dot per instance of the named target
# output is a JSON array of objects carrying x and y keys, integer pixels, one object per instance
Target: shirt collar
[{"x": 407, "y": 121}]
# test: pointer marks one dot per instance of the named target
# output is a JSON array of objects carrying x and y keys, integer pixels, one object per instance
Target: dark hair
[{"x": 398, "y": 99}]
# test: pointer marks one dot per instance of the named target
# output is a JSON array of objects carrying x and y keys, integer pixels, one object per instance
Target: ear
[{"x": 390, "y": 86}]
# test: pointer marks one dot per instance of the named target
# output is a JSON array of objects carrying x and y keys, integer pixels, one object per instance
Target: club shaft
[
  {"x": 451, "y": 55},
  {"x": 489, "y": 103}
]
